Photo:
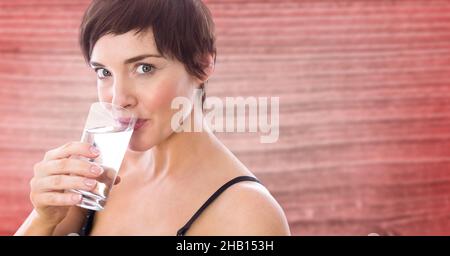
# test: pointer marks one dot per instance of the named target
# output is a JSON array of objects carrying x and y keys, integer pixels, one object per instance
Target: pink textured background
[{"x": 364, "y": 93}]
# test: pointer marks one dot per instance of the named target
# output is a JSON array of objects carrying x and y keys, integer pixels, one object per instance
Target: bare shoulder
[{"x": 245, "y": 208}]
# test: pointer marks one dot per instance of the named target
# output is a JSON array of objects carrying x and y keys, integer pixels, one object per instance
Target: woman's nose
[{"x": 123, "y": 94}]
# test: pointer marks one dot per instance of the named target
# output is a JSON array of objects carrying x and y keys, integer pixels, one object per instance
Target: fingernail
[
  {"x": 76, "y": 198},
  {"x": 96, "y": 169},
  {"x": 94, "y": 150},
  {"x": 90, "y": 182}
]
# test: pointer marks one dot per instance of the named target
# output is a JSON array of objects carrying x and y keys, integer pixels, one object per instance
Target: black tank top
[{"x": 86, "y": 229}]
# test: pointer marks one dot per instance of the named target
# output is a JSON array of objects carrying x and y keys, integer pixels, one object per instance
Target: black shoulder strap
[
  {"x": 87, "y": 226},
  {"x": 185, "y": 228}
]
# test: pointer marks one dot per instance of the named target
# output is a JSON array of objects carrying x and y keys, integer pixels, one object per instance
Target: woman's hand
[{"x": 56, "y": 175}]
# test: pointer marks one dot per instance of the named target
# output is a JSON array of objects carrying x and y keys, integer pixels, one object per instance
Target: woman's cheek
[
  {"x": 103, "y": 94},
  {"x": 161, "y": 98}
]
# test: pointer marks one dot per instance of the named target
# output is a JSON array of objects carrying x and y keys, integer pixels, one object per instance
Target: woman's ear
[
  {"x": 209, "y": 70},
  {"x": 208, "y": 62}
]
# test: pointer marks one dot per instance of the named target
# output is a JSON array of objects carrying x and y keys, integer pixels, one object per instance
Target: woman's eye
[
  {"x": 144, "y": 68},
  {"x": 102, "y": 73}
]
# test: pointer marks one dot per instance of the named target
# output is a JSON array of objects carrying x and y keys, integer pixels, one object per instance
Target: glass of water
[{"x": 109, "y": 128}]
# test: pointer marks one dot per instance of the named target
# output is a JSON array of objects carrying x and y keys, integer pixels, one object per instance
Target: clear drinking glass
[{"x": 109, "y": 128}]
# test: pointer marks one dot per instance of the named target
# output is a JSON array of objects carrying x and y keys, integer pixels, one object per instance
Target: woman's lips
[
  {"x": 139, "y": 123},
  {"x": 126, "y": 121}
]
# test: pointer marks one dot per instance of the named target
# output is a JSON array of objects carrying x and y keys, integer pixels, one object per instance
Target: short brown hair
[{"x": 183, "y": 29}]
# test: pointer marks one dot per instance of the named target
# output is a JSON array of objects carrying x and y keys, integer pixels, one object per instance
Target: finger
[
  {"x": 117, "y": 181},
  {"x": 68, "y": 166},
  {"x": 57, "y": 199},
  {"x": 63, "y": 182},
  {"x": 70, "y": 149}
]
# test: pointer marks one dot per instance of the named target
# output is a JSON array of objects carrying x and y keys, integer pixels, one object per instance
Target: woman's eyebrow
[
  {"x": 140, "y": 57},
  {"x": 128, "y": 61}
]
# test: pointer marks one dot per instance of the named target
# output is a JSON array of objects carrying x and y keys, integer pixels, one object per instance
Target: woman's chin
[
  {"x": 138, "y": 145},
  {"x": 143, "y": 140}
]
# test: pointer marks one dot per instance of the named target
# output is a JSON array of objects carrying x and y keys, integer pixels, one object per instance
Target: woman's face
[{"x": 132, "y": 74}]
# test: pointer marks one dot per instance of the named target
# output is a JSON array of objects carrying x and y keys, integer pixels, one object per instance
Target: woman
[{"x": 146, "y": 53}]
